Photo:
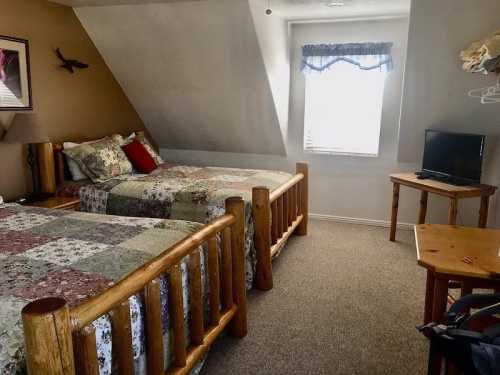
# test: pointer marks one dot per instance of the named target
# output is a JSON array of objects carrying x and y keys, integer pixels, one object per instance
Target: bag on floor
[{"x": 471, "y": 342}]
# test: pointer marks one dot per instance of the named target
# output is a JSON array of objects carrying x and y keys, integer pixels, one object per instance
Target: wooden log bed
[
  {"x": 277, "y": 214},
  {"x": 61, "y": 340}
]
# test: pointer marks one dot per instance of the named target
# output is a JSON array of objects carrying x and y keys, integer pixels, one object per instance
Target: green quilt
[{"x": 182, "y": 193}]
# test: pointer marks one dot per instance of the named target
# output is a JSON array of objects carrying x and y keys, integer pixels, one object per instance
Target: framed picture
[{"x": 15, "y": 80}]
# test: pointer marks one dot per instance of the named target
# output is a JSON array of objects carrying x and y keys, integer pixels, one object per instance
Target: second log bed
[
  {"x": 85, "y": 318},
  {"x": 276, "y": 203}
]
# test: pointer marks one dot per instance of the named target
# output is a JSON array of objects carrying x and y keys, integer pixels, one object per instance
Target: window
[{"x": 343, "y": 105}]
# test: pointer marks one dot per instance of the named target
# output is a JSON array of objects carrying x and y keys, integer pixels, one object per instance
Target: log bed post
[
  {"x": 48, "y": 337},
  {"x": 262, "y": 219},
  {"x": 303, "y": 198},
  {"x": 46, "y": 167},
  {"x": 85, "y": 349},
  {"x": 236, "y": 206}
]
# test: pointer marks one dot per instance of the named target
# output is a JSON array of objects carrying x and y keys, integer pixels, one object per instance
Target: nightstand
[{"x": 58, "y": 203}]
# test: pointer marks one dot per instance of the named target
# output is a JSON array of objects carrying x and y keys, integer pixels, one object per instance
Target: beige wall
[{"x": 89, "y": 103}]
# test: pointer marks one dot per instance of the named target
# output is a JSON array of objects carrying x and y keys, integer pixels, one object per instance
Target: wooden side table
[
  {"x": 450, "y": 253},
  {"x": 453, "y": 192},
  {"x": 61, "y": 203}
]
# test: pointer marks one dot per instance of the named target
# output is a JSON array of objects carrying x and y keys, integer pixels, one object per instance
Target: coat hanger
[{"x": 488, "y": 95}]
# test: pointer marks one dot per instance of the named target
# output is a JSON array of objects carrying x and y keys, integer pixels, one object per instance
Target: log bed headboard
[{"x": 52, "y": 164}]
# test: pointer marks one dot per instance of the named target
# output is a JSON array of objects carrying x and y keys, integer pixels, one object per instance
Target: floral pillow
[{"x": 101, "y": 160}]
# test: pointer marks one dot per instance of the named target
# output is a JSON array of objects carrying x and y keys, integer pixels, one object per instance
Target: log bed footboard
[
  {"x": 277, "y": 215},
  {"x": 61, "y": 339}
]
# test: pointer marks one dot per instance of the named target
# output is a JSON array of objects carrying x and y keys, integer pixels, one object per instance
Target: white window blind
[
  {"x": 343, "y": 110},
  {"x": 7, "y": 98}
]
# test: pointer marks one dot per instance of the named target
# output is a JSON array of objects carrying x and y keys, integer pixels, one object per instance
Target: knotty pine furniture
[
  {"x": 61, "y": 340},
  {"x": 453, "y": 192},
  {"x": 469, "y": 256},
  {"x": 277, "y": 214},
  {"x": 59, "y": 203}
]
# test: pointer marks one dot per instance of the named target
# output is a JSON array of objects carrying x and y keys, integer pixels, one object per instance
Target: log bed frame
[
  {"x": 60, "y": 340},
  {"x": 277, "y": 214}
]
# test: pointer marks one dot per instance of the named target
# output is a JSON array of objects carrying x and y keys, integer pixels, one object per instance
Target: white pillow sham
[{"x": 76, "y": 172}]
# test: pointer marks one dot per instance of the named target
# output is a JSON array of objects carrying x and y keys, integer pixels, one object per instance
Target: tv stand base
[
  {"x": 453, "y": 193},
  {"x": 447, "y": 180}
]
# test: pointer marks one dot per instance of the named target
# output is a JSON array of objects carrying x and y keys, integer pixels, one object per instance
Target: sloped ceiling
[
  {"x": 303, "y": 10},
  {"x": 296, "y": 10},
  {"x": 273, "y": 37},
  {"x": 82, "y": 3},
  {"x": 194, "y": 72}
]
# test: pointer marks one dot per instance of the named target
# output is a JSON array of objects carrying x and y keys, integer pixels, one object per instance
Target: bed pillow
[
  {"x": 140, "y": 158},
  {"x": 100, "y": 160},
  {"x": 140, "y": 137},
  {"x": 75, "y": 171}
]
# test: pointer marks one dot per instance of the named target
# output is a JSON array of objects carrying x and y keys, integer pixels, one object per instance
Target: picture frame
[{"x": 15, "y": 75}]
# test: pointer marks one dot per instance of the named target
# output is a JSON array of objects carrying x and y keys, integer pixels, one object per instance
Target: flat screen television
[{"x": 453, "y": 157}]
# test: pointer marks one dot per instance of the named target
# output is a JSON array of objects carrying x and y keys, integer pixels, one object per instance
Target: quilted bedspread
[
  {"x": 182, "y": 193},
  {"x": 76, "y": 255}
]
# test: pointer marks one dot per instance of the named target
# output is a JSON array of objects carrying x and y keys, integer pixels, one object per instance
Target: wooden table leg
[
  {"x": 423, "y": 207},
  {"x": 440, "y": 299},
  {"x": 429, "y": 297},
  {"x": 394, "y": 215},
  {"x": 483, "y": 211},
  {"x": 452, "y": 214}
]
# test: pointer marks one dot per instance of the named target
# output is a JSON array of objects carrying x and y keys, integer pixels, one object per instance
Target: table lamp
[{"x": 26, "y": 130}]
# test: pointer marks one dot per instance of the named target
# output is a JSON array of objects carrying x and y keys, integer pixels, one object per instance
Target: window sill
[{"x": 337, "y": 153}]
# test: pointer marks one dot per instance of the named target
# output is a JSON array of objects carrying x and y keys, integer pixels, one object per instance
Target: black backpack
[{"x": 471, "y": 342}]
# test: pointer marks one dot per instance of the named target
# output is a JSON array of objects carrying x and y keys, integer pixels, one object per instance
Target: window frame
[{"x": 370, "y": 146}]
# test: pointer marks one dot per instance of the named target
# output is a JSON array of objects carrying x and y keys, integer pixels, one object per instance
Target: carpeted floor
[{"x": 345, "y": 301}]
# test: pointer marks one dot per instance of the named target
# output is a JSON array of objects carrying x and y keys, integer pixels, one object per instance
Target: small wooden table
[
  {"x": 470, "y": 256},
  {"x": 60, "y": 203},
  {"x": 453, "y": 192},
  {"x": 441, "y": 249}
]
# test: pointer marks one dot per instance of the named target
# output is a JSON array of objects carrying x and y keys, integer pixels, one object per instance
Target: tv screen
[{"x": 454, "y": 155}]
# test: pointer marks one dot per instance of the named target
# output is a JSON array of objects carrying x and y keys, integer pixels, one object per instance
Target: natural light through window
[{"x": 343, "y": 110}]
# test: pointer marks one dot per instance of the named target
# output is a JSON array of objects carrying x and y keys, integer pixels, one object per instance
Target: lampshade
[{"x": 25, "y": 129}]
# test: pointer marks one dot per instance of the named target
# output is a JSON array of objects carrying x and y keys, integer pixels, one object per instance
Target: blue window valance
[{"x": 367, "y": 56}]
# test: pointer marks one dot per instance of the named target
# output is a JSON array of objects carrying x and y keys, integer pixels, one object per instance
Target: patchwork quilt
[
  {"x": 183, "y": 193},
  {"x": 46, "y": 253}
]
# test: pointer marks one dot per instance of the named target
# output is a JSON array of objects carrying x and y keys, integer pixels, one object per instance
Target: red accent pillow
[{"x": 139, "y": 157}]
